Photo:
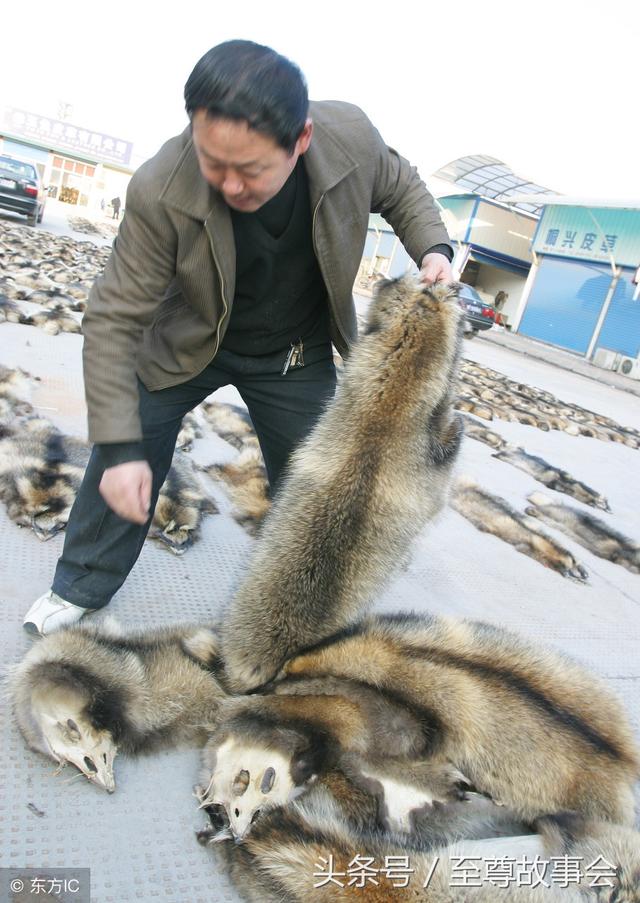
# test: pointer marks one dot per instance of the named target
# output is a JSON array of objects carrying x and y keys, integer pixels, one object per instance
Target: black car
[
  {"x": 21, "y": 189},
  {"x": 480, "y": 315}
]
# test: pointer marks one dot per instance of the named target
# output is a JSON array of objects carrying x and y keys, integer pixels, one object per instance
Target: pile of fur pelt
[
  {"x": 41, "y": 470},
  {"x": 493, "y": 396},
  {"x": 345, "y": 757},
  {"x": 45, "y": 279}
]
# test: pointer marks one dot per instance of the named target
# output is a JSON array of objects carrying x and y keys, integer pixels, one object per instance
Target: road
[{"x": 56, "y": 221}]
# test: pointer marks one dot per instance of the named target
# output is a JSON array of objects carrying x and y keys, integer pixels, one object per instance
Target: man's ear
[{"x": 304, "y": 139}]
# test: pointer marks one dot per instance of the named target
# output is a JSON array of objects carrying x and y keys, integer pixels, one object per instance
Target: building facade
[
  {"x": 583, "y": 291},
  {"x": 561, "y": 271},
  {"x": 78, "y": 165},
  {"x": 491, "y": 242}
]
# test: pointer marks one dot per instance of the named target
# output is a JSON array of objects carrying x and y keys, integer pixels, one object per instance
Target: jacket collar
[
  {"x": 185, "y": 189},
  {"x": 327, "y": 162}
]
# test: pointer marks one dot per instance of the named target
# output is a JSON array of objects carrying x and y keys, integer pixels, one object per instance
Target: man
[{"x": 234, "y": 264}]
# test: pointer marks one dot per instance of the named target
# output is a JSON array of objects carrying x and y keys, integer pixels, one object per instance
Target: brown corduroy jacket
[{"x": 162, "y": 305}]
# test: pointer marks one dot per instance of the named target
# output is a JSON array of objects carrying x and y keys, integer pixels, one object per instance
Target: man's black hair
[{"x": 241, "y": 80}]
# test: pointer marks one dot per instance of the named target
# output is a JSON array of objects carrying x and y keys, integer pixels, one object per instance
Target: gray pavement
[
  {"x": 564, "y": 360},
  {"x": 56, "y": 221}
]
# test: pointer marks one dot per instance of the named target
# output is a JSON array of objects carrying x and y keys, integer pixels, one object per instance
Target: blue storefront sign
[{"x": 590, "y": 233}]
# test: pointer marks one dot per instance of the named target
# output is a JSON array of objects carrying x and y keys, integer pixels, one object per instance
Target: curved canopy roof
[{"x": 493, "y": 179}]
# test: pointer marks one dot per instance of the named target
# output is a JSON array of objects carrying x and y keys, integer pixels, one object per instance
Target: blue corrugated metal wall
[
  {"x": 621, "y": 327},
  {"x": 565, "y": 302}
]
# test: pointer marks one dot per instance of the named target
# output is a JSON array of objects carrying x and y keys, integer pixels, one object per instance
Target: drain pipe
[
  {"x": 526, "y": 291},
  {"x": 603, "y": 313}
]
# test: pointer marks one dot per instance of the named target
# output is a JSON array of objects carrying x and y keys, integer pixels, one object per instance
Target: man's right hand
[{"x": 126, "y": 488}]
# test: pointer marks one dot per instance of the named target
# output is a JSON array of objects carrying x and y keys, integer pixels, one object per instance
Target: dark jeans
[{"x": 100, "y": 548}]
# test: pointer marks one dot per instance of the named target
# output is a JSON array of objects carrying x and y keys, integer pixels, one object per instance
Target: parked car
[
  {"x": 480, "y": 315},
  {"x": 21, "y": 188}
]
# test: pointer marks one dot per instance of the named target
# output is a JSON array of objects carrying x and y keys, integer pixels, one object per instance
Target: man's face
[{"x": 247, "y": 167}]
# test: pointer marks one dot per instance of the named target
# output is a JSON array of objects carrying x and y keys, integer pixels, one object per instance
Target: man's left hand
[{"x": 435, "y": 268}]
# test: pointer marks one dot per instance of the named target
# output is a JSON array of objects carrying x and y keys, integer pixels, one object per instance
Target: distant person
[
  {"x": 116, "y": 203},
  {"x": 234, "y": 265},
  {"x": 102, "y": 204},
  {"x": 500, "y": 300}
]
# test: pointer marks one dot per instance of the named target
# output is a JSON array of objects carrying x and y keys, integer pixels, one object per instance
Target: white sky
[{"x": 549, "y": 87}]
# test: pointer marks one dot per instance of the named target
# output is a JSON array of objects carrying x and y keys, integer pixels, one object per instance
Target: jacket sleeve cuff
[
  {"x": 447, "y": 250},
  {"x": 113, "y": 453}
]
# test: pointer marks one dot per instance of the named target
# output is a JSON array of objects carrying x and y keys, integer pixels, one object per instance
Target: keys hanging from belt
[{"x": 295, "y": 357}]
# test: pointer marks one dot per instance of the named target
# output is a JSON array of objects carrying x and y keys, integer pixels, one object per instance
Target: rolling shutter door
[
  {"x": 621, "y": 327},
  {"x": 565, "y": 302}
]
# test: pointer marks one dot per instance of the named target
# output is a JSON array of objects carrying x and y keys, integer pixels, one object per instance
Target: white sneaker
[{"x": 50, "y": 613}]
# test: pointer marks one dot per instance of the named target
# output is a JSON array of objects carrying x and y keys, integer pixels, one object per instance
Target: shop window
[
  {"x": 79, "y": 168},
  {"x": 69, "y": 195},
  {"x": 57, "y": 161},
  {"x": 68, "y": 165},
  {"x": 91, "y": 170}
]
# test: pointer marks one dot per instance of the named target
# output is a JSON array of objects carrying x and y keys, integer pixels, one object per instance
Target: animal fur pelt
[
  {"x": 53, "y": 321},
  {"x": 425, "y": 705},
  {"x": 247, "y": 485},
  {"x": 548, "y": 474},
  {"x": 492, "y": 514},
  {"x": 43, "y": 291},
  {"x": 245, "y": 478},
  {"x": 311, "y": 851},
  {"x": 41, "y": 471},
  {"x": 9, "y": 311},
  {"x": 372, "y": 473},
  {"x": 552, "y": 477},
  {"x": 14, "y": 385},
  {"x": 181, "y": 504},
  {"x": 591, "y": 532},
  {"x": 13, "y": 380},
  {"x": 479, "y": 409},
  {"x": 41, "y": 261},
  {"x": 189, "y": 431},
  {"x": 231, "y": 423},
  {"x": 90, "y": 227},
  {"x": 475, "y": 430},
  {"x": 491, "y": 395},
  {"x": 86, "y": 693}
]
